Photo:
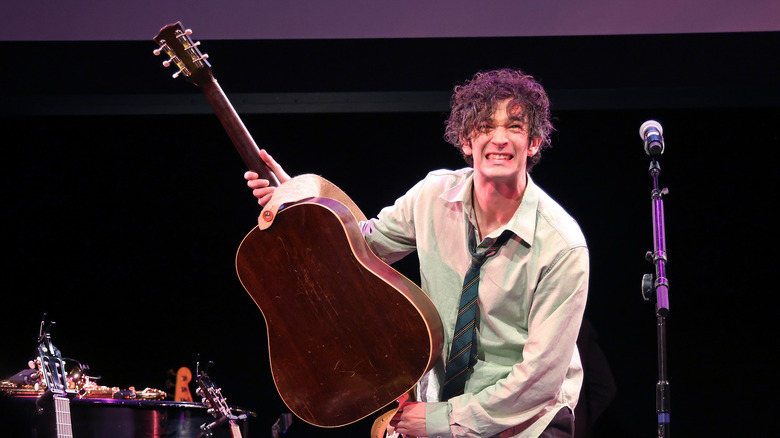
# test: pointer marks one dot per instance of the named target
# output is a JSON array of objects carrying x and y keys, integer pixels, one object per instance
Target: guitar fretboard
[
  {"x": 235, "y": 432},
  {"x": 62, "y": 410}
]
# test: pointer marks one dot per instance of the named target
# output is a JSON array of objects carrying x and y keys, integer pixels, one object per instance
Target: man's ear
[
  {"x": 465, "y": 145},
  {"x": 534, "y": 146}
]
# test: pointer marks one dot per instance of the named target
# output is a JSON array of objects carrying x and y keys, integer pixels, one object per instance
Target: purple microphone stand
[{"x": 656, "y": 288}]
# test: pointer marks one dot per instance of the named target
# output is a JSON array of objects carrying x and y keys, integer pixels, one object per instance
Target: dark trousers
[{"x": 561, "y": 426}]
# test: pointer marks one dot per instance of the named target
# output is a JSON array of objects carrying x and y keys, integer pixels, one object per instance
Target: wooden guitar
[
  {"x": 52, "y": 367},
  {"x": 183, "y": 379},
  {"x": 213, "y": 399},
  {"x": 347, "y": 334}
]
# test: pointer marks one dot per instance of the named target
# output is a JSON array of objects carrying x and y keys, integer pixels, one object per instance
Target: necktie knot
[{"x": 480, "y": 257}]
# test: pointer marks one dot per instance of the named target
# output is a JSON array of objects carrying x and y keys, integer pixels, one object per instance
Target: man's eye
[{"x": 484, "y": 128}]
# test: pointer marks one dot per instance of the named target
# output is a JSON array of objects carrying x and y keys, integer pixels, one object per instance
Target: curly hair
[{"x": 475, "y": 101}]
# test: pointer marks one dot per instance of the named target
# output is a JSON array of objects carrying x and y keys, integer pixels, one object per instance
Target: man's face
[{"x": 500, "y": 146}]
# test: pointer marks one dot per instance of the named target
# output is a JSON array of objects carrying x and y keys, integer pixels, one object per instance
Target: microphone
[{"x": 651, "y": 134}]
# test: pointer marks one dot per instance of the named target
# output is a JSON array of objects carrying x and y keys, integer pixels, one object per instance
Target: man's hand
[
  {"x": 261, "y": 188},
  {"x": 410, "y": 420}
]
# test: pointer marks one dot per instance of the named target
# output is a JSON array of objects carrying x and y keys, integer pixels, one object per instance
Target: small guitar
[
  {"x": 381, "y": 427},
  {"x": 217, "y": 405},
  {"x": 347, "y": 334},
  {"x": 183, "y": 379},
  {"x": 53, "y": 369}
]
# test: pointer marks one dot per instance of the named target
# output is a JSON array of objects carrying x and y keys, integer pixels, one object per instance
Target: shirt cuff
[{"x": 437, "y": 419}]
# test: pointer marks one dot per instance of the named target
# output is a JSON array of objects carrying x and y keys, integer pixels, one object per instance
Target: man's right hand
[{"x": 261, "y": 188}]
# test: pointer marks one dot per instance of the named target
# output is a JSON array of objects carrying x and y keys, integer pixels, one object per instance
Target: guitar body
[{"x": 347, "y": 334}]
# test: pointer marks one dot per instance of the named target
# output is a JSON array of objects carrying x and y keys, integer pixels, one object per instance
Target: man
[{"x": 522, "y": 369}]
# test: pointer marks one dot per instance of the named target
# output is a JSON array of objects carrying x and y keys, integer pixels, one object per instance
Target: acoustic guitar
[
  {"x": 215, "y": 402},
  {"x": 347, "y": 334},
  {"x": 52, "y": 367}
]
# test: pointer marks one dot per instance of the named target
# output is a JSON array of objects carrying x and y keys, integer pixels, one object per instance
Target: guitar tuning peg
[
  {"x": 187, "y": 31},
  {"x": 157, "y": 51}
]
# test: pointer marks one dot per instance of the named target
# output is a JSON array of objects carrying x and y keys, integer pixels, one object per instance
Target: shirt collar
[{"x": 522, "y": 224}]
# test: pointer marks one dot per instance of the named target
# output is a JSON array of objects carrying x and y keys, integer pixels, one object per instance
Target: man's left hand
[{"x": 410, "y": 420}]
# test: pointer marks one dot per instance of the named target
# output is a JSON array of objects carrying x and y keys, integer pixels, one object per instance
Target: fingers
[
  {"x": 254, "y": 181},
  {"x": 263, "y": 194},
  {"x": 410, "y": 419},
  {"x": 275, "y": 167},
  {"x": 395, "y": 418},
  {"x": 249, "y": 175},
  {"x": 261, "y": 188}
]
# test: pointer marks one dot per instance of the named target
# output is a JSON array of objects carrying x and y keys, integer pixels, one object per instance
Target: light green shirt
[{"x": 532, "y": 297}]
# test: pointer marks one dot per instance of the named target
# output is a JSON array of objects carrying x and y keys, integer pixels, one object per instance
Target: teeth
[{"x": 499, "y": 156}]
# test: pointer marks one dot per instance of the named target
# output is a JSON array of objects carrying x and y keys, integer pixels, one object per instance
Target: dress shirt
[{"x": 532, "y": 296}]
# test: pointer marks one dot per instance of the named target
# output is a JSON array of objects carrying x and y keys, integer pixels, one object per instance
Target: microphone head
[
  {"x": 651, "y": 134},
  {"x": 649, "y": 124}
]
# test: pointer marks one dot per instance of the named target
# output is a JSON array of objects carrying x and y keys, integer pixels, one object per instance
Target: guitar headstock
[
  {"x": 218, "y": 407},
  {"x": 183, "y": 378},
  {"x": 212, "y": 398},
  {"x": 52, "y": 367},
  {"x": 175, "y": 42}
]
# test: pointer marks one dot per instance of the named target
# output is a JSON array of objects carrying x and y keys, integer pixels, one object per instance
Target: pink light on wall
[{"x": 313, "y": 19}]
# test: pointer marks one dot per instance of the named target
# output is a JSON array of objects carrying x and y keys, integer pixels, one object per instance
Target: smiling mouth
[{"x": 498, "y": 157}]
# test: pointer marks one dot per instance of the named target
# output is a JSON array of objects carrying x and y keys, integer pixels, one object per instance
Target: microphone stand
[{"x": 658, "y": 290}]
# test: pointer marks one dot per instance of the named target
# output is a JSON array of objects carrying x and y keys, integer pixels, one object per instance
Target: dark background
[{"x": 124, "y": 202}]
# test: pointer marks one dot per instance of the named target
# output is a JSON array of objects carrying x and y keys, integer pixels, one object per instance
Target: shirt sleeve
[
  {"x": 531, "y": 393},
  {"x": 391, "y": 235}
]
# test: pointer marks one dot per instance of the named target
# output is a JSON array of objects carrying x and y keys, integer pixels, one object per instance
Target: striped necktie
[{"x": 463, "y": 352}]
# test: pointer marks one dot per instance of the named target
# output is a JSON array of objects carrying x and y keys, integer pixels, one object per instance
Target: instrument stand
[
  {"x": 208, "y": 428},
  {"x": 282, "y": 425},
  {"x": 658, "y": 291}
]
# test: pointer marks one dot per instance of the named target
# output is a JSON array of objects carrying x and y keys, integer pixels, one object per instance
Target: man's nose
[{"x": 499, "y": 135}]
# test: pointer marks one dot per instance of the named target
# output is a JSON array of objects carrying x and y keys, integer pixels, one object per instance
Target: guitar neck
[
  {"x": 235, "y": 431},
  {"x": 238, "y": 133},
  {"x": 175, "y": 41},
  {"x": 62, "y": 416}
]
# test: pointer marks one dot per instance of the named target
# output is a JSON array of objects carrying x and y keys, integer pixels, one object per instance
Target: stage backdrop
[{"x": 312, "y": 19}]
